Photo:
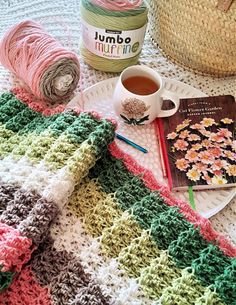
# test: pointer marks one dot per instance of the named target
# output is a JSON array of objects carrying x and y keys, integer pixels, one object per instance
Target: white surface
[{"x": 99, "y": 98}]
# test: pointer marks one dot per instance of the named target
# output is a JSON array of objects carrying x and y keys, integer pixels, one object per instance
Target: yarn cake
[
  {"x": 82, "y": 223},
  {"x": 121, "y": 26},
  {"x": 46, "y": 68}
]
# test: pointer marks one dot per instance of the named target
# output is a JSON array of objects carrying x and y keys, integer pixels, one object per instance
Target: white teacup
[{"x": 139, "y": 94}]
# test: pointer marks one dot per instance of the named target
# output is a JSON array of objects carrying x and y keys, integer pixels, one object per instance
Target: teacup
[{"x": 139, "y": 94}]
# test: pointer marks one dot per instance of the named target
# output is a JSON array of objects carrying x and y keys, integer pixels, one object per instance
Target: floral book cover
[{"x": 200, "y": 145}]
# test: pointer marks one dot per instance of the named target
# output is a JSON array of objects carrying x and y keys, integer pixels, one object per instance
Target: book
[{"x": 198, "y": 143}]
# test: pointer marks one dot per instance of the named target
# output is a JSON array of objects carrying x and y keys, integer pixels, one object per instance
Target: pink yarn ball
[{"x": 32, "y": 55}]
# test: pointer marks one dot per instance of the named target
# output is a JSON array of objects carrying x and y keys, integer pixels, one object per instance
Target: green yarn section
[
  {"x": 59, "y": 140},
  {"x": 5, "y": 97},
  {"x": 134, "y": 190},
  {"x": 79, "y": 130},
  {"x": 138, "y": 254},
  {"x": 168, "y": 226},
  {"x": 184, "y": 290},
  {"x": 38, "y": 125},
  {"x": 86, "y": 155},
  {"x": 7, "y": 139},
  {"x": 167, "y": 230},
  {"x": 119, "y": 235},
  {"x": 62, "y": 122},
  {"x": 210, "y": 264},
  {"x": 6, "y": 279},
  {"x": 39, "y": 145},
  {"x": 18, "y": 151},
  {"x": 21, "y": 119},
  {"x": 147, "y": 209},
  {"x": 85, "y": 197},
  {"x": 101, "y": 136},
  {"x": 129, "y": 189},
  {"x": 186, "y": 248},
  {"x": 225, "y": 284},
  {"x": 111, "y": 173},
  {"x": 18, "y": 117},
  {"x": 106, "y": 161},
  {"x": 209, "y": 298},
  {"x": 81, "y": 161},
  {"x": 158, "y": 275},
  {"x": 10, "y": 107},
  {"x": 58, "y": 153},
  {"x": 5, "y": 134},
  {"x": 6, "y": 147},
  {"x": 101, "y": 216}
]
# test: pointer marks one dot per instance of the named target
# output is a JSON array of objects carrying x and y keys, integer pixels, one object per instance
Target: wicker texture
[{"x": 196, "y": 34}]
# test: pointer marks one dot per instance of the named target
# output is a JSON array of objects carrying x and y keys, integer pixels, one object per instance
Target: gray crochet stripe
[
  {"x": 27, "y": 212},
  {"x": 6, "y": 194},
  {"x": 65, "y": 276}
]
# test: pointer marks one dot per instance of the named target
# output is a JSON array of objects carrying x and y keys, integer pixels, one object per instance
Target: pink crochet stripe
[
  {"x": 204, "y": 224},
  {"x": 25, "y": 290},
  {"x": 120, "y": 5},
  {"x": 40, "y": 106},
  {"x": 93, "y": 113},
  {"x": 36, "y": 104},
  {"x": 15, "y": 250}
]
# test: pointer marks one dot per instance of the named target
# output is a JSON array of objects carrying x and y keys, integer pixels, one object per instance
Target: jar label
[{"x": 112, "y": 44}]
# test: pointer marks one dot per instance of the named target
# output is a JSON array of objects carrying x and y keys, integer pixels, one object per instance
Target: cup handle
[{"x": 169, "y": 96}]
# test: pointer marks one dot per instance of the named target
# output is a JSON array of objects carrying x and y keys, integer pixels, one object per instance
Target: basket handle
[{"x": 224, "y": 5}]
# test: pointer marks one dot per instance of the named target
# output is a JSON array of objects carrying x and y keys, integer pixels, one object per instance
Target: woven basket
[{"x": 196, "y": 33}]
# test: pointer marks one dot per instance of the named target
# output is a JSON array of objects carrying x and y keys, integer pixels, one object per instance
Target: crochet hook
[{"x": 140, "y": 148}]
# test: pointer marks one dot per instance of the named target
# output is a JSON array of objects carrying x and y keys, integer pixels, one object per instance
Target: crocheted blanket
[{"x": 82, "y": 223}]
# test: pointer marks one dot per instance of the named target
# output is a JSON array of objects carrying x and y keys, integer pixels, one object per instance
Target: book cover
[{"x": 198, "y": 143}]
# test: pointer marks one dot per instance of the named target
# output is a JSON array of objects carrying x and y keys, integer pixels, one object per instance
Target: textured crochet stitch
[{"x": 82, "y": 223}]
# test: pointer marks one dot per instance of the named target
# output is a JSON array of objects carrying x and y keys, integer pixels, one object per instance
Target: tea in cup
[{"x": 139, "y": 94}]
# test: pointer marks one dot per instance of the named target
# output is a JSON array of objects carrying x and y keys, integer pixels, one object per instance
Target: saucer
[{"x": 99, "y": 98}]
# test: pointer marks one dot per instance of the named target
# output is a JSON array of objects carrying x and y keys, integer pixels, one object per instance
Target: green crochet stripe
[
  {"x": 24, "y": 132},
  {"x": 135, "y": 249},
  {"x": 9, "y": 107},
  {"x": 186, "y": 247},
  {"x": 197, "y": 294},
  {"x": 18, "y": 117},
  {"x": 6, "y": 279},
  {"x": 168, "y": 229},
  {"x": 211, "y": 264},
  {"x": 146, "y": 210},
  {"x": 139, "y": 221},
  {"x": 225, "y": 284},
  {"x": 5, "y": 97}
]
